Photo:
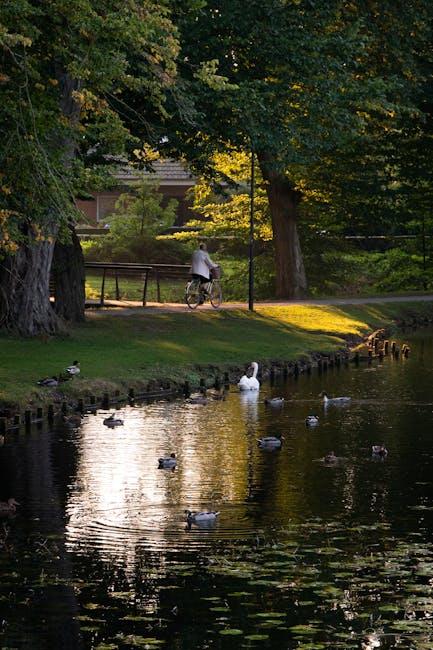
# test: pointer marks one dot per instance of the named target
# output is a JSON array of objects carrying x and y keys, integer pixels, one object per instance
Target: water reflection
[{"x": 101, "y": 521}]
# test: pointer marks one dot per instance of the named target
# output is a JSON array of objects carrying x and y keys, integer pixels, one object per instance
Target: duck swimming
[
  {"x": 334, "y": 401},
  {"x": 168, "y": 462},
  {"x": 74, "y": 369},
  {"x": 112, "y": 421},
  {"x": 270, "y": 442},
  {"x": 197, "y": 399},
  {"x": 312, "y": 420},
  {"x": 379, "y": 450},
  {"x": 250, "y": 383},
  {"x": 74, "y": 419},
  {"x": 8, "y": 507},
  {"x": 200, "y": 517},
  {"x": 275, "y": 401}
]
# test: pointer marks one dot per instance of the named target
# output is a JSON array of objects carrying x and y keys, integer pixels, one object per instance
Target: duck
[
  {"x": 112, "y": 421},
  {"x": 8, "y": 507},
  {"x": 379, "y": 450},
  {"x": 198, "y": 399},
  {"x": 200, "y": 517},
  {"x": 330, "y": 457},
  {"x": 312, "y": 420},
  {"x": 337, "y": 401},
  {"x": 216, "y": 394},
  {"x": 275, "y": 401},
  {"x": 270, "y": 442},
  {"x": 250, "y": 383},
  {"x": 74, "y": 419},
  {"x": 74, "y": 369},
  {"x": 168, "y": 462},
  {"x": 48, "y": 382}
]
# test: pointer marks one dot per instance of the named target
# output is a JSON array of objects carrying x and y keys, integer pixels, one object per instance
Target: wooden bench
[
  {"x": 120, "y": 268},
  {"x": 169, "y": 272}
]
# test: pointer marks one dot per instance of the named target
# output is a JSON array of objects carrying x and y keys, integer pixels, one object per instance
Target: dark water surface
[{"x": 302, "y": 555}]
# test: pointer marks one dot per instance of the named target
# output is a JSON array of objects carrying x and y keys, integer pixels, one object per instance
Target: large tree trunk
[
  {"x": 291, "y": 281},
  {"x": 69, "y": 279},
  {"x": 25, "y": 276},
  {"x": 24, "y": 291},
  {"x": 68, "y": 262}
]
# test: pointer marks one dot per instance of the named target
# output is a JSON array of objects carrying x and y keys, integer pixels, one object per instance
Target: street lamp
[{"x": 251, "y": 240}]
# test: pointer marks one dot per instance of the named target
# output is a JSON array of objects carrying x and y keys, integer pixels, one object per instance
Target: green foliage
[
  {"x": 140, "y": 212},
  {"x": 70, "y": 72},
  {"x": 333, "y": 96},
  {"x": 394, "y": 270},
  {"x": 138, "y": 218}
]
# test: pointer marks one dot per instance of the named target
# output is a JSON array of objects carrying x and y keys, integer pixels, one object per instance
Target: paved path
[{"x": 128, "y": 308}]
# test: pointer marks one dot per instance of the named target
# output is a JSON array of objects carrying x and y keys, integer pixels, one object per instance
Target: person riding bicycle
[{"x": 201, "y": 265}]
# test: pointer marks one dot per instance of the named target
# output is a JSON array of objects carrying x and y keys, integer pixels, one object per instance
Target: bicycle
[{"x": 196, "y": 293}]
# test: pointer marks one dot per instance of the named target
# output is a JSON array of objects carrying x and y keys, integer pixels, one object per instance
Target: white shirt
[{"x": 201, "y": 263}]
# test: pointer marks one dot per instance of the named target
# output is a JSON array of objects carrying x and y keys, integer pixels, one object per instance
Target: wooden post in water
[
  {"x": 28, "y": 419},
  {"x": 50, "y": 413}
]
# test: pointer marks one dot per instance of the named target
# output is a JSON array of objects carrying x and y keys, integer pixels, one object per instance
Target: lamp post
[{"x": 251, "y": 240}]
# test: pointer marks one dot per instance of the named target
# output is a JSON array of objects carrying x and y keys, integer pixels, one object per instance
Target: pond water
[{"x": 302, "y": 555}]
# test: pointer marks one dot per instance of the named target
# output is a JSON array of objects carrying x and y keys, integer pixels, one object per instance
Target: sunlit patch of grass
[
  {"x": 316, "y": 318},
  {"x": 126, "y": 350}
]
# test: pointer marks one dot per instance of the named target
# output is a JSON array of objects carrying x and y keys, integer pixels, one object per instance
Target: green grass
[
  {"x": 132, "y": 289},
  {"x": 122, "y": 351}
]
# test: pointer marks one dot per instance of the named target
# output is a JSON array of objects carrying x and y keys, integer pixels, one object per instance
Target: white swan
[{"x": 250, "y": 383}]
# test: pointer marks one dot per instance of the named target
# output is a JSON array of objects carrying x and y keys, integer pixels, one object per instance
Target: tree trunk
[
  {"x": 69, "y": 279},
  {"x": 24, "y": 291},
  {"x": 291, "y": 281}
]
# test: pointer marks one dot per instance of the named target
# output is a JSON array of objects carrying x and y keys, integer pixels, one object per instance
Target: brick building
[{"x": 173, "y": 178}]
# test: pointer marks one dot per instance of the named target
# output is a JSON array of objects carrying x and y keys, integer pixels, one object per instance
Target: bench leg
[
  {"x": 101, "y": 301},
  {"x": 117, "y": 287},
  {"x": 158, "y": 288},
  {"x": 145, "y": 288}
]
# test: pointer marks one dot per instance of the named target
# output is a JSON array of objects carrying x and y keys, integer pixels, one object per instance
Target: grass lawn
[{"x": 122, "y": 351}]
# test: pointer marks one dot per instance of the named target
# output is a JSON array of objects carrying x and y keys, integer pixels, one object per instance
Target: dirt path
[{"x": 128, "y": 308}]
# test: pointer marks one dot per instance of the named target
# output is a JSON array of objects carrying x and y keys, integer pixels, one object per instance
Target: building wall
[{"x": 96, "y": 211}]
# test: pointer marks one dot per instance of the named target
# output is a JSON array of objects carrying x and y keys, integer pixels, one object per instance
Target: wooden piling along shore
[{"x": 375, "y": 347}]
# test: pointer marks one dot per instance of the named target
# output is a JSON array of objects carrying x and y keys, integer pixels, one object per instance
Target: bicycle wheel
[
  {"x": 215, "y": 295},
  {"x": 192, "y": 294}
]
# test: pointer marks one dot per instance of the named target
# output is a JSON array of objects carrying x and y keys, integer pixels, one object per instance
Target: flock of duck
[
  {"x": 248, "y": 382},
  {"x": 55, "y": 380}
]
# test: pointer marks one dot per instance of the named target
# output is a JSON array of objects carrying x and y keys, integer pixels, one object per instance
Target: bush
[{"x": 139, "y": 218}]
